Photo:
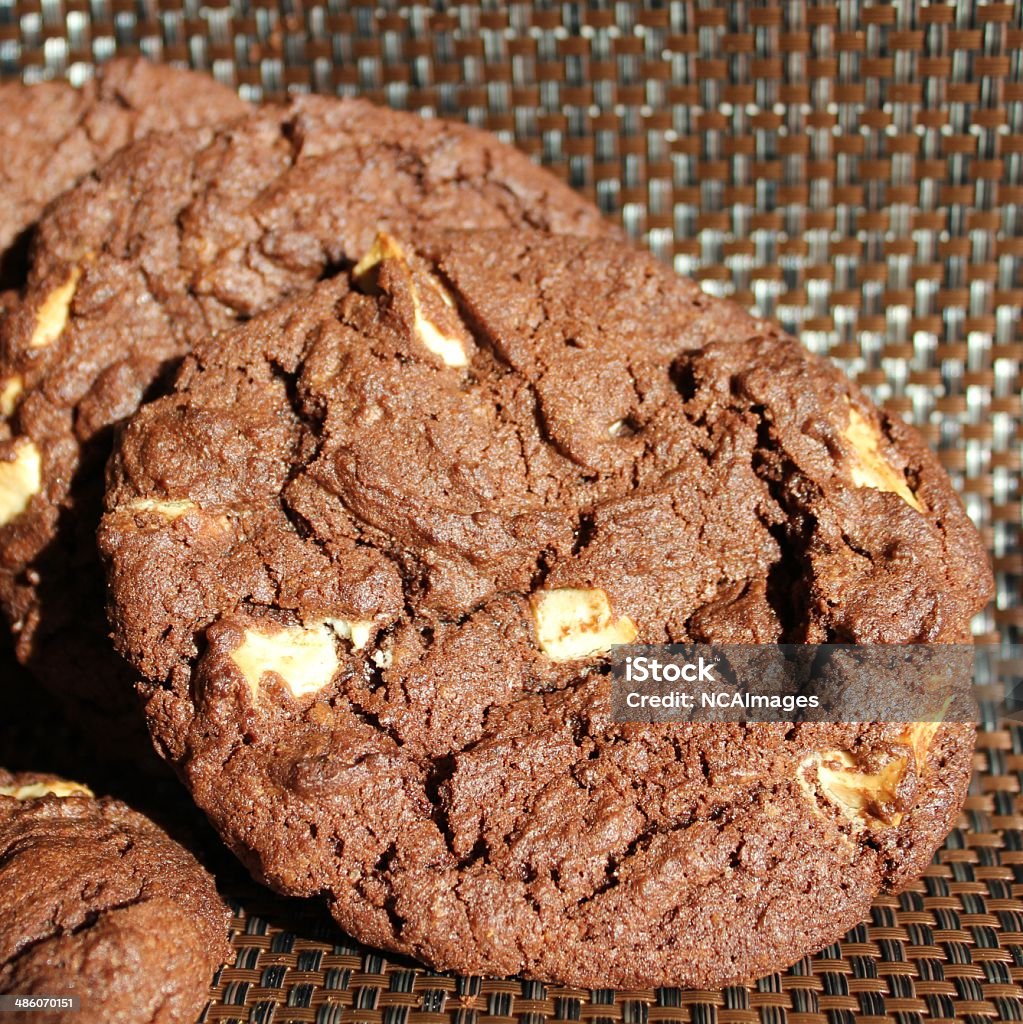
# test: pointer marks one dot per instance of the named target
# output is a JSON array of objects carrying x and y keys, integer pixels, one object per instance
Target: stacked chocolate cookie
[{"x": 374, "y": 440}]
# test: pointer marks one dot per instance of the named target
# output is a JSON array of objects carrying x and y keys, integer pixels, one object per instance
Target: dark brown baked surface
[
  {"x": 52, "y": 134},
  {"x": 371, "y": 549},
  {"x": 100, "y": 903},
  {"x": 177, "y": 237}
]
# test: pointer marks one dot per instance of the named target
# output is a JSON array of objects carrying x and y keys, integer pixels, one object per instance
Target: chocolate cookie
[
  {"x": 179, "y": 236},
  {"x": 53, "y": 134},
  {"x": 369, "y": 555},
  {"x": 101, "y": 904}
]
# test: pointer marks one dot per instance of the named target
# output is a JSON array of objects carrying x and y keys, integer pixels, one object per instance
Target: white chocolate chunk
[
  {"x": 10, "y": 392},
  {"x": 865, "y": 798},
  {"x": 920, "y": 736},
  {"x": 385, "y": 247},
  {"x": 574, "y": 623},
  {"x": 53, "y": 313},
  {"x": 20, "y": 479},
  {"x": 37, "y": 790},
  {"x": 303, "y": 657},
  {"x": 869, "y": 466},
  {"x": 449, "y": 349},
  {"x": 441, "y": 343},
  {"x": 356, "y": 631},
  {"x": 170, "y": 510}
]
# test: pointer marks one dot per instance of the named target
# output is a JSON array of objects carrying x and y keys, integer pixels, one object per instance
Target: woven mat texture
[{"x": 854, "y": 170}]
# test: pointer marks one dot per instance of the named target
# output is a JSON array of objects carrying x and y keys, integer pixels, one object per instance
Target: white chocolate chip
[
  {"x": 37, "y": 790},
  {"x": 865, "y": 798},
  {"x": 573, "y": 623},
  {"x": 357, "y": 631},
  {"x": 384, "y": 247},
  {"x": 20, "y": 479},
  {"x": 449, "y": 349},
  {"x": 303, "y": 657},
  {"x": 170, "y": 510},
  {"x": 53, "y": 313},
  {"x": 439, "y": 340},
  {"x": 10, "y": 392},
  {"x": 919, "y": 736},
  {"x": 869, "y": 467}
]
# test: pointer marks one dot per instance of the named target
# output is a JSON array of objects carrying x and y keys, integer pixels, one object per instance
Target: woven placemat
[{"x": 854, "y": 170}]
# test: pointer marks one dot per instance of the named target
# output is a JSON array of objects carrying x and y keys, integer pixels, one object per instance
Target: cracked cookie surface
[
  {"x": 371, "y": 550},
  {"x": 100, "y": 903},
  {"x": 53, "y": 134},
  {"x": 178, "y": 237}
]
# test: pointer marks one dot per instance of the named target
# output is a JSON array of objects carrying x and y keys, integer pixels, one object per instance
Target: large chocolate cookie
[
  {"x": 99, "y": 903},
  {"x": 371, "y": 550},
  {"x": 52, "y": 135},
  {"x": 179, "y": 236}
]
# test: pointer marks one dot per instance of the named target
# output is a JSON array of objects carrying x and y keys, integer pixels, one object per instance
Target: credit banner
[{"x": 795, "y": 683}]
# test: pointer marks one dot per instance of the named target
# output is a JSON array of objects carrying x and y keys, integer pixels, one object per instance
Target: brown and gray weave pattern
[{"x": 855, "y": 170}]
